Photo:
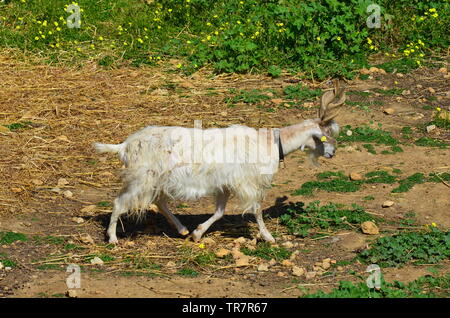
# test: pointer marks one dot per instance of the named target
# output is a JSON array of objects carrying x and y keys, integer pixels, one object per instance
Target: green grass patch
[
  {"x": 425, "y": 247},
  {"x": 266, "y": 251},
  {"x": 314, "y": 219},
  {"x": 338, "y": 182},
  {"x": 19, "y": 126},
  {"x": 188, "y": 272},
  {"x": 430, "y": 142},
  {"x": 11, "y": 237},
  {"x": 403, "y": 65},
  {"x": 6, "y": 261},
  {"x": 104, "y": 204},
  {"x": 423, "y": 287},
  {"x": 392, "y": 91}
]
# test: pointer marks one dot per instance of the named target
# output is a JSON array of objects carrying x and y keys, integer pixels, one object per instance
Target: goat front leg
[
  {"x": 265, "y": 234},
  {"x": 221, "y": 202},
  {"x": 164, "y": 209}
]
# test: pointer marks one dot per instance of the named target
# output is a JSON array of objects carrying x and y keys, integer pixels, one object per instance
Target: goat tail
[{"x": 101, "y": 148}]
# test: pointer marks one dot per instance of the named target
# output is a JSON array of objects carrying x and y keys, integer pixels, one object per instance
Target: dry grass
[{"x": 68, "y": 108}]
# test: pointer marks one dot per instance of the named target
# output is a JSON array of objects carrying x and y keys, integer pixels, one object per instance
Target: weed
[
  {"x": 423, "y": 287},
  {"x": 103, "y": 204},
  {"x": 253, "y": 96},
  {"x": 369, "y": 198},
  {"x": 425, "y": 247},
  {"x": 19, "y": 126},
  {"x": 266, "y": 251},
  {"x": 11, "y": 237},
  {"x": 6, "y": 261},
  {"x": 301, "y": 221},
  {"x": 430, "y": 142},
  {"x": 189, "y": 272},
  {"x": 409, "y": 182}
]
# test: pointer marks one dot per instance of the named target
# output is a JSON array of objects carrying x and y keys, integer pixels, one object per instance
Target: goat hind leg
[
  {"x": 164, "y": 209},
  {"x": 221, "y": 201},
  {"x": 117, "y": 211},
  {"x": 265, "y": 234}
]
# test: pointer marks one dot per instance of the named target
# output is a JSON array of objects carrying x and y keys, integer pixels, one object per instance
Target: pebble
[
  {"x": 354, "y": 176},
  {"x": 387, "y": 204},
  {"x": 263, "y": 267},
  {"x": 209, "y": 241},
  {"x": 68, "y": 194},
  {"x": 310, "y": 275},
  {"x": 86, "y": 238},
  {"x": 97, "y": 261},
  {"x": 272, "y": 262},
  {"x": 288, "y": 244},
  {"x": 298, "y": 271},
  {"x": 72, "y": 293},
  {"x": 281, "y": 274},
  {"x": 78, "y": 220},
  {"x": 389, "y": 111},
  {"x": 287, "y": 263},
  {"x": 243, "y": 261},
  {"x": 1, "y": 266},
  {"x": 431, "y": 90},
  {"x": 430, "y": 128},
  {"x": 443, "y": 70},
  {"x": 370, "y": 228},
  {"x": 240, "y": 240},
  {"x": 171, "y": 264}
]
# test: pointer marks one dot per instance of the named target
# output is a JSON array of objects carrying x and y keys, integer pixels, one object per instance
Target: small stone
[
  {"x": 263, "y": 267},
  {"x": 208, "y": 241},
  {"x": 431, "y": 90},
  {"x": 406, "y": 92},
  {"x": 86, "y": 238},
  {"x": 364, "y": 71},
  {"x": 288, "y": 244},
  {"x": 430, "y": 128},
  {"x": 78, "y": 220},
  {"x": 97, "y": 261},
  {"x": 276, "y": 101},
  {"x": 349, "y": 133},
  {"x": 236, "y": 253},
  {"x": 240, "y": 240},
  {"x": 389, "y": 111},
  {"x": 387, "y": 204},
  {"x": 370, "y": 228},
  {"x": 310, "y": 275},
  {"x": 294, "y": 255},
  {"x": 443, "y": 70},
  {"x": 354, "y": 176},
  {"x": 243, "y": 261},
  {"x": 326, "y": 264},
  {"x": 272, "y": 262},
  {"x": 68, "y": 194},
  {"x": 281, "y": 274},
  {"x": 224, "y": 114},
  {"x": 1, "y": 266},
  {"x": 399, "y": 75},
  {"x": 37, "y": 182},
  {"x": 8, "y": 269},
  {"x": 419, "y": 86},
  {"x": 171, "y": 264},
  {"x": 88, "y": 209},
  {"x": 16, "y": 190},
  {"x": 287, "y": 263},
  {"x": 340, "y": 268},
  {"x": 62, "y": 182},
  {"x": 298, "y": 271},
  {"x": 71, "y": 293}
]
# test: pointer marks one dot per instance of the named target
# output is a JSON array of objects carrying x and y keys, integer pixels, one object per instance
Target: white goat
[{"x": 164, "y": 163}]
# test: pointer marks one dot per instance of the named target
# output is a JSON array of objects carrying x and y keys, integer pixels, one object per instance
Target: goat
[{"x": 163, "y": 163}]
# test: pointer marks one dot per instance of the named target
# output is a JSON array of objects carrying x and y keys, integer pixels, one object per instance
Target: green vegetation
[
  {"x": 19, "y": 126},
  {"x": 314, "y": 219},
  {"x": 189, "y": 272},
  {"x": 11, "y": 237},
  {"x": 6, "y": 261},
  {"x": 430, "y": 142},
  {"x": 423, "y": 287},
  {"x": 318, "y": 38},
  {"x": 266, "y": 251},
  {"x": 425, "y": 247},
  {"x": 339, "y": 182}
]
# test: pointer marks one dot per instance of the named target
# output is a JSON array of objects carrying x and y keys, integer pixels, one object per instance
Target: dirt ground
[{"x": 70, "y": 108}]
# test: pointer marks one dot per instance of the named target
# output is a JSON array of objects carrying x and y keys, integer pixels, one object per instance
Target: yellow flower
[
  {"x": 58, "y": 29},
  {"x": 140, "y": 40},
  {"x": 369, "y": 41},
  {"x": 201, "y": 245},
  {"x": 395, "y": 82},
  {"x": 238, "y": 22},
  {"x": 433, "y": 224},
  {"x": 318, "y": 38},
  {"x": 432, "y": 10},
  {"x": 338, "y": 38},
  {"x": 170, "y": 10},
  {"x": 36, "y": 38},
  {"x": 55, "y": 23},
  {"x": 179, "y": 65},
  {"x": 43, "y": 36},
  {"x": 44, "y": 23},
  {"x": 438, "y": 109},
  {"x": 92, "y": 46},
  {"x": 100, "y": 38},
  {"x": 435, "y": 15},
  {"x": 50, "y": 32},
  {"x": 78, "y": 49},
  {"x": 18, "y": 27},
  {"x": 208, "y": 24}
]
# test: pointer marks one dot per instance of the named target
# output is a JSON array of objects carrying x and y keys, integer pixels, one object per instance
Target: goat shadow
[{"x": 155, "y": 224}]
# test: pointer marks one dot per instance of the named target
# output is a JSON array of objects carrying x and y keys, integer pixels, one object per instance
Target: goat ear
[{"x": 331, "y": 100}]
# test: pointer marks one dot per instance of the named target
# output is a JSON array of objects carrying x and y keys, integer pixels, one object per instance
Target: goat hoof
[
  {"x": 195, "y": 237},
  {"x": 184, "y": 231},
  {"x": 113, "y": 240}
]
